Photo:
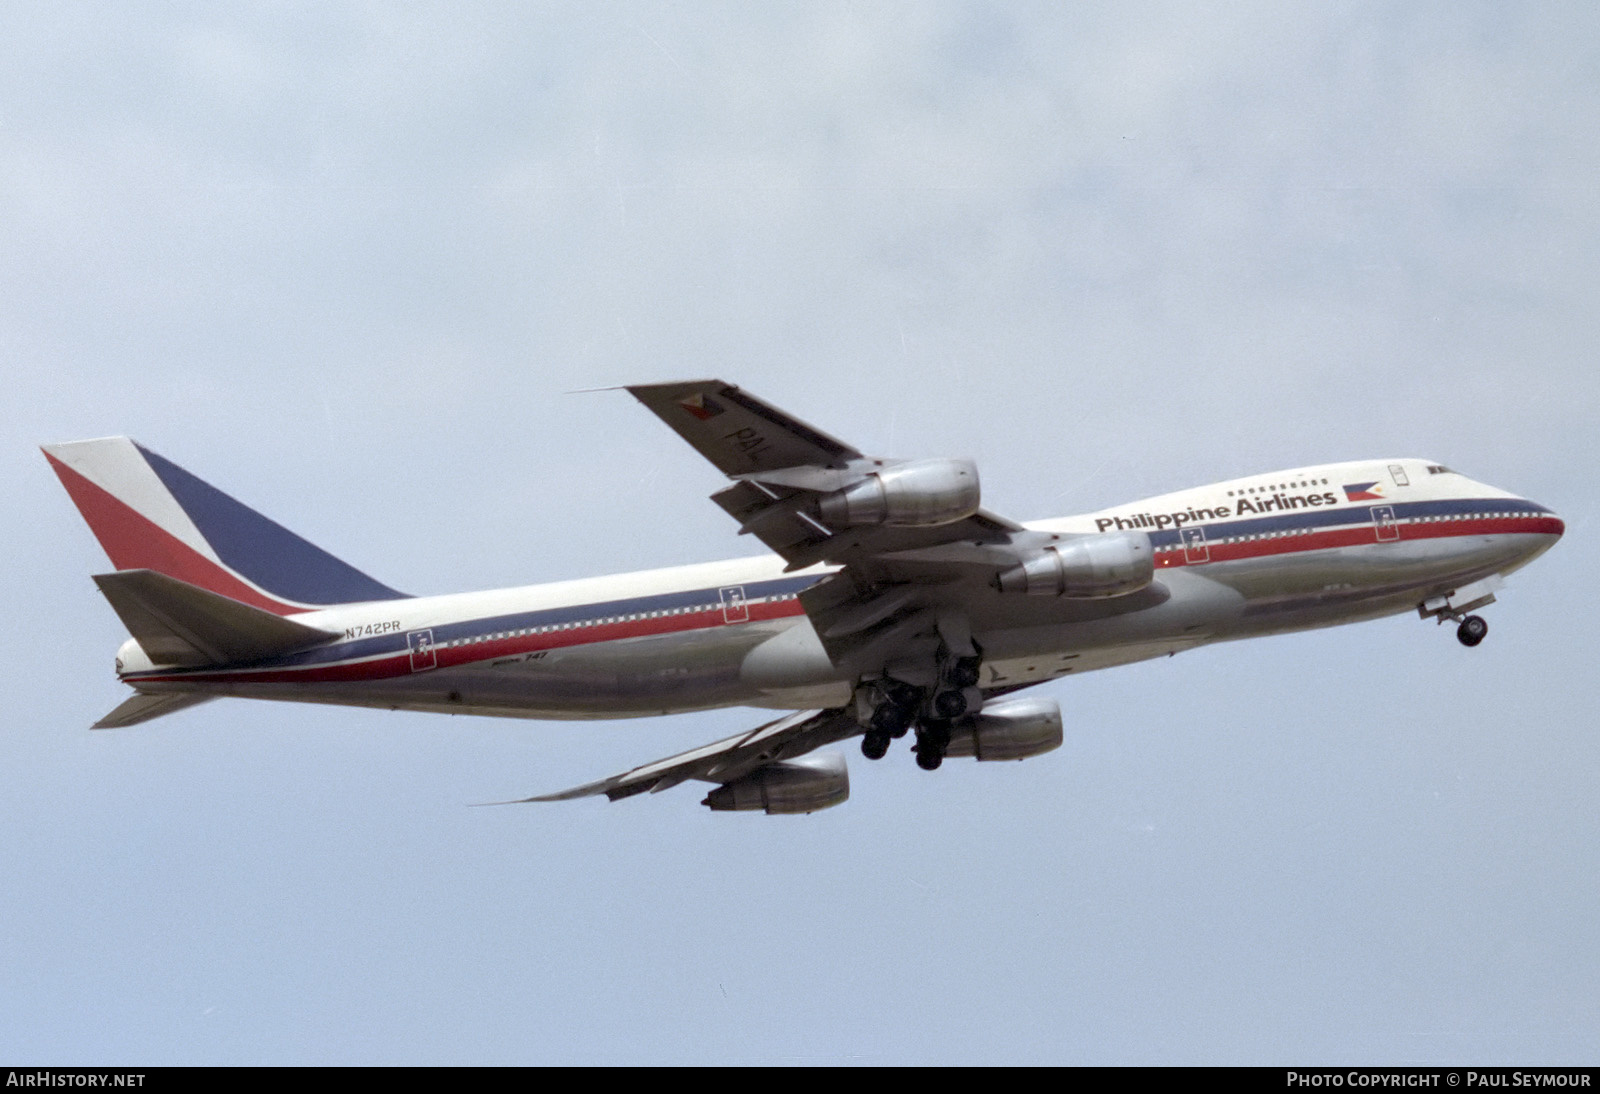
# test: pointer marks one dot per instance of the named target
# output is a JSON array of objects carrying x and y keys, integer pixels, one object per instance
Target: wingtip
[
  {"x": 536, "y": 799},
  {"x": 639, "y": 391}
]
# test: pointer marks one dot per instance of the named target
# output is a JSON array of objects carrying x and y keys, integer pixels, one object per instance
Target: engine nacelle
[
  {"x": 1107, "y": 564},
  {"x": 1008, "y": 729},
  {"x": 919, "y": 494},
  {"x": 790, "y": 786}
]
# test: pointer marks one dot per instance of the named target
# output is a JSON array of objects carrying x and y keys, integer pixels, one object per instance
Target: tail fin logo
[{"x": 150, "y": 514}]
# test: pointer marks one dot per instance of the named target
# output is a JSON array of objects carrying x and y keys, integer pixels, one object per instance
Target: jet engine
[
  {"x": 804, "y": 785},
  {"x": 1008, "y": 729},
  {"x": 920, "y": 493},
  {"x": 1091, "y": 566}
]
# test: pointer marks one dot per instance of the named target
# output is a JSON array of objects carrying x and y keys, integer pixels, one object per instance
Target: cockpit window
[{"x": 1439, "y": 469}]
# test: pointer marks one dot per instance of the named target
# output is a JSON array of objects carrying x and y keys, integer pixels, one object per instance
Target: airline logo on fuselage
[
  {"x": 1269, "y": 503},
  {"x": 1363, "y": 491}
]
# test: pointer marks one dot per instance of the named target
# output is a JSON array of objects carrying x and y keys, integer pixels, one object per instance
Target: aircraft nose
[
  {"x": 1549, "y": 523},
  {"x": 1546, "y": 529}
]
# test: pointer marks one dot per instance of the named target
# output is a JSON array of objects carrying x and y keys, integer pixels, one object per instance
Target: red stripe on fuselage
[
  {"x": 399, "y": 664},
  {"x": 134, "y": 542},
  {"x": 1361, "y": 535},
  {"x": 1484, "y": 526}
]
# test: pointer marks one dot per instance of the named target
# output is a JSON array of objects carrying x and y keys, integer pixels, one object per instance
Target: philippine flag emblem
[
  {"x": 1363, "y": 491},
  {"x": 702, "y": 406}
]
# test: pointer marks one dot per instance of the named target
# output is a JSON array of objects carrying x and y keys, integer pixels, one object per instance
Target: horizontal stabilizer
[
  {"x": 142, "y": 708},
  {"x": 182, "y": 624}
]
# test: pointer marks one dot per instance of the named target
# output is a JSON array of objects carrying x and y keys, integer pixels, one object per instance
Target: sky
[{"x": 347, "y": 260}]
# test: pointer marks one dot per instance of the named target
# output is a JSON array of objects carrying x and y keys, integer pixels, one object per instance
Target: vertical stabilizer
[{"x": 150, "y": 514}]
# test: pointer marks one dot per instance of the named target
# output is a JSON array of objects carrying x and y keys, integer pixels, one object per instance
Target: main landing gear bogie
[
  {"x": 933, "y": 737},
  {"x": 951, "y": 692},
  {"x": 931, "y": 716},
  {"x": 891, "y": 719}
]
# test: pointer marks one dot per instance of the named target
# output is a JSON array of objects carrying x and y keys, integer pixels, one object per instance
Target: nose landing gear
[{"x": 1470, "y": 629}]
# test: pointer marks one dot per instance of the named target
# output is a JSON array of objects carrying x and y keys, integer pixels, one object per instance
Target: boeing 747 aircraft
[{"x": 892, "y": 604}]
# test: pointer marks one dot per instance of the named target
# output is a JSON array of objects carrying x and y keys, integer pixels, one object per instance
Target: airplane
[{"x": 892, "y": 602}]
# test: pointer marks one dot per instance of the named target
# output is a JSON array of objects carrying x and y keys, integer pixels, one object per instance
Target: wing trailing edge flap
[
  {"x": 181, "y": 624},
  {"x": 721, "y": 761},
  {"x": 778, "y": 518}
]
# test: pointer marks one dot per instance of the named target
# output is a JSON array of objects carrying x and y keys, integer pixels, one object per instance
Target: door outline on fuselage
[
  {"x": 422, "y": 650},
  {"x": 735, "y": 608},
  {"x": 1195, "y": 548},
  {"x": 1385, "y": 524}
]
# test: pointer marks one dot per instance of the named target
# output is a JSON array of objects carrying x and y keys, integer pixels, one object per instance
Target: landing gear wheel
[
  {"x": 1472, "y": 630},
  {"x": 932, "y": 738},
  {"x": 874, "y": 745},
  {"x": 891, "y": 720},
  {"x": 950, "y": 704}
]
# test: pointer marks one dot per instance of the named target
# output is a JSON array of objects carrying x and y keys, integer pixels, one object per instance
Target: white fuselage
[{"x": 1254, "y": 556}]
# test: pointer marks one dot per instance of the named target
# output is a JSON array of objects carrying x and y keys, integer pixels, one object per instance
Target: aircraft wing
[
  {"x": 724, "y": 761},
  {"x": 919, "y": 561},
  {"x": 784, "y": 468},
  {"x": 919, "y": 565}
]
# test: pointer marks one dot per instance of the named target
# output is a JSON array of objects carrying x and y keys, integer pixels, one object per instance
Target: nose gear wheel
[{"x": 1472, "y": 630}]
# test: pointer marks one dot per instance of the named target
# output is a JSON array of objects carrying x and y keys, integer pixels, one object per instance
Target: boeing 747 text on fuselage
[{"x": 892, "y": 604}]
